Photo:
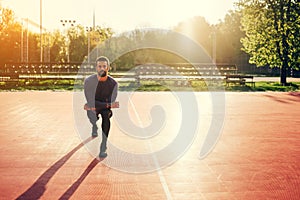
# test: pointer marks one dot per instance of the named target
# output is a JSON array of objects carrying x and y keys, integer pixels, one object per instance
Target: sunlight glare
[{"x": 118, "y": 14}]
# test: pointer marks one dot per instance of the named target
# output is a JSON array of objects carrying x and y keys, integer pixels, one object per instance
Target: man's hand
[
  {"x": 113, "y": 105},
  {"x": 86, "y": 107},
  {"x": 108, "y": 105}
]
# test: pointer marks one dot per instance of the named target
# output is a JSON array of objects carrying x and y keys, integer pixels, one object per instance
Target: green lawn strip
[{"x": 154, "y": 86}]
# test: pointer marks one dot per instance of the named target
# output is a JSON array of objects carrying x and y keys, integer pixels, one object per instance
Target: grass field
[{"x": 153, "y": 86}]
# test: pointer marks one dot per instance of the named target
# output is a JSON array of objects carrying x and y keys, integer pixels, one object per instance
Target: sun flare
[{"x": 118, "y": 14}]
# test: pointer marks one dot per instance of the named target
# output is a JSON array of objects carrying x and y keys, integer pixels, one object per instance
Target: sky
[{"x": 120, "y": 15}]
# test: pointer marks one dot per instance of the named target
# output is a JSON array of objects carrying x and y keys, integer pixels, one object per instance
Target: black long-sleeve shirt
[{"x": 99, "y": 93}]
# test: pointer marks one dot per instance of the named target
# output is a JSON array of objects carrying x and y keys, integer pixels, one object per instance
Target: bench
[
  {"x": 36, "y": 71},
  {"x": 239, "y": 79},
  {"x": 11, "y": 79},
  {"x": 182, "y": 73}
]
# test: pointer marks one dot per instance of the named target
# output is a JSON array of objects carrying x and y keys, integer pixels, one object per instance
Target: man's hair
[{"x": 102, "y": 58}]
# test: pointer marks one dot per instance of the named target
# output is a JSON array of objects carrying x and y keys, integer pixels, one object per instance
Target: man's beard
[{"x": 102, "y": 73}]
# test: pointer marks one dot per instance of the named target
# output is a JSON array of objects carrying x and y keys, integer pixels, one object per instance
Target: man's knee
[
  {"x": 92, "y": 116},
  {"x": 106, "y": 114}
]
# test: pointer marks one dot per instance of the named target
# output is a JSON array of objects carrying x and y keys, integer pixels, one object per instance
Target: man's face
[{"x": 102, "y": 68}]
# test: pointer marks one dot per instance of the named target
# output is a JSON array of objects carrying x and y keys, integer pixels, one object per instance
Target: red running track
[{"x": 257, "y": 156}]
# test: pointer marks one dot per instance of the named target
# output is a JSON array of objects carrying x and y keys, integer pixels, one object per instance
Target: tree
[
  {"x": 10, "y": 37},
  {"x": 225, "y": 36},
  {"x": 57, "y": 50},
  {"x": 11, "y": 34},
  {"x": 272, "y": 33},
  {"x": 198, "y": 29},
  {"x": 33, "y": 47},
  {"x": 97, "y": 36},
  {"x": 78, "y": 43},
  {"x": 228, "y": 36}
]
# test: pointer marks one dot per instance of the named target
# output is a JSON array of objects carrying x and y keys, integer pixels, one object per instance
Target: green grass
[
  {"x": 68, "y": 85},
  {"x": 39, "y": 85},
  {"x": 266, "y": 86}
]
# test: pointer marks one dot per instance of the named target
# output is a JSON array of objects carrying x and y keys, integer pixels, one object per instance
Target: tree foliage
[
  {"x": 270, "y": 36},
  {"x": 225, "y": 36},
  {"x": 10, "y": 37},
  {"x": 57, "y": 47},
  {"x": 77, "y": 43},
  {"x": 272, "y": 33},
  {"x": 198, "y": 29},
  {"x": 228, "y": 35},
  {"x": 17, "y": 43}
]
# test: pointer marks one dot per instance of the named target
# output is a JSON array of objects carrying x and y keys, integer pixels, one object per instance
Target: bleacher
[
  {"x": 184, "y": 72},
  {"x": 179, "y": 73}
]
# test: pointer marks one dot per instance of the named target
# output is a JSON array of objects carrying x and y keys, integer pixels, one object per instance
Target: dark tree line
[
  {"x": 75, "y": 44},
  {"x": 259, "y": 32}
]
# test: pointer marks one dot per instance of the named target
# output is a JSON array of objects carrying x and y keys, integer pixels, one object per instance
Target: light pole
[
  {"x": 41, "y": 31},
  {"x": 22, "y": 40},
  {"x": 67, "y": 23}
]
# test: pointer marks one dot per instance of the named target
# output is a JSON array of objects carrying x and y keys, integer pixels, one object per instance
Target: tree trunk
[
  {"x": 283, "y": 74},
  {"x": 286, "y": 60}
]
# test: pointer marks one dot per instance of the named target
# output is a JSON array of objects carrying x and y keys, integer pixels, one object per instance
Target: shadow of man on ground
[
  {"x": 71, "y": 190},
  {"x": 39, "y": 186}
]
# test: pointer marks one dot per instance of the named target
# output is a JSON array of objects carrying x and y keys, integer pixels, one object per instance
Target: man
[{"x": 100, "y": 92}]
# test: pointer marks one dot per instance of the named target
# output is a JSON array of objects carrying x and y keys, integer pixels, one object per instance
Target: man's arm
[
  {"x": 89, "y": 92},
  {"x": 114, "y": 93}
]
